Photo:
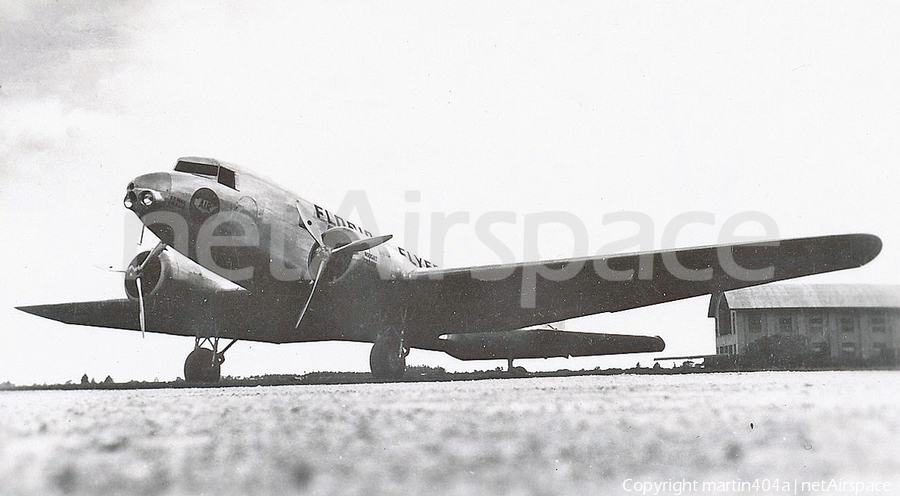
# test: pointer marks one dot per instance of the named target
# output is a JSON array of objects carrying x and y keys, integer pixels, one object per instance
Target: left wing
[
  {"x": 115, "y": 314},
  {"x": 513, "y": 296}
]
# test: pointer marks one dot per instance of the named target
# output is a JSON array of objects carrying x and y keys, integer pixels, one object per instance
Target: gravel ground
[{"x": 578, "y": 435}]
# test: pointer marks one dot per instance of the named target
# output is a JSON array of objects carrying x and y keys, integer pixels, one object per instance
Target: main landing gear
[
  {"x": 204, "y": 364},
  {"x": 388, "y": 357},
  {"x": 515, "y": 371}
]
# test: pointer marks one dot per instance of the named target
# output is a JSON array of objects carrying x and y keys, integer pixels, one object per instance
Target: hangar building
[{"x": 852, "y": 322}]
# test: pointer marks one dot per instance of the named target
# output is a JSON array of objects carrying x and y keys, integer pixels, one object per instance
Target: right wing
[{"x": 513, "y": 296}]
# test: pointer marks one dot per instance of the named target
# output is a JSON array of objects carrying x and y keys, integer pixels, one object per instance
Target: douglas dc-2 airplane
[{"x": 240, "y": 258}]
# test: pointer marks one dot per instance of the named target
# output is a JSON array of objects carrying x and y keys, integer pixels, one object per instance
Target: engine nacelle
[{"x": 172, "y": 275}]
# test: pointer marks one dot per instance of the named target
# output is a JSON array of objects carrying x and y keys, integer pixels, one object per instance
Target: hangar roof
[{"x": 815, "y": 296}]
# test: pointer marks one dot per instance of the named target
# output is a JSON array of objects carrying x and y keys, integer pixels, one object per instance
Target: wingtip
[
  {"x": 870, "y": 245},
  {"x": 57, "y": 312},
  {"x": 39, "y": 310}
]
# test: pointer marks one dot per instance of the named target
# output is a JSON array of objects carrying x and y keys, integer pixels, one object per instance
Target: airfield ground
[{"x": 575, "y": 435}]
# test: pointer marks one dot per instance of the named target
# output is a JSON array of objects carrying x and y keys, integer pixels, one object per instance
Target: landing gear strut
[
  {"x": 514, "y": 370},
  {"x": 204, "y": 364},
  {"x": 388, "y": 357}
]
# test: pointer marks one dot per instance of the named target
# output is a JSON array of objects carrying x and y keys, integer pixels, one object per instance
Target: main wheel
[
  {"x": 200, "y": 366},
  {"x": 387, "y": 359}
]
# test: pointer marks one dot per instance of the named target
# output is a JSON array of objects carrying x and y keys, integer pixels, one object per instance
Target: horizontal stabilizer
[{"x": 539, "y": 343}]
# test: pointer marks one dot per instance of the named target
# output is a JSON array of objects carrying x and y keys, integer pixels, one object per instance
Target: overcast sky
[{"x": 786, "y": 108}]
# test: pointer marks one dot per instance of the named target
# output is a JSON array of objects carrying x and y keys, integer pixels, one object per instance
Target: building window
[
  {"x": 847, "y": 324},
  {"x": 723, "y": 325},
  {"x": 785, "y": 324},
  {"x": 878, "y": 322},
  {"x": 815, "y": 324},
  {"x": 754, "y": 322},
  {"x": 848, "y": 348}
]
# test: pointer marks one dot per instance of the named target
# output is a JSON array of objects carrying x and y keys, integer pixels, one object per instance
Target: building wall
[{"x": 851, "y": 332}]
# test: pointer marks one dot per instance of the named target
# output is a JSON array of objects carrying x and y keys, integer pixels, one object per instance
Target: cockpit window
[
  {"x": 208, "y": 170},
  {"x": 226, "y": 177}
]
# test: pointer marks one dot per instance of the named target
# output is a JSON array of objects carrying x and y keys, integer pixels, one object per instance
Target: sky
[{"x": 785, "y": 108}]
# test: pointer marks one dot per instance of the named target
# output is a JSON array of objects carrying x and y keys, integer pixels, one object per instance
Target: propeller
[
  {"x": 135, "y": 273},
  {"x": 327, "y": 252}
]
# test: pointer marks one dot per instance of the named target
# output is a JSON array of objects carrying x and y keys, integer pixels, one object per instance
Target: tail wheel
[
  {"x": 388, "y": 357},
  {"x": 202, "y": 365}
]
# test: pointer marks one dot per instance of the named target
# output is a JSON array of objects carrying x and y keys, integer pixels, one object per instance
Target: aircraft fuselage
[{"x": 250, "y": 231}]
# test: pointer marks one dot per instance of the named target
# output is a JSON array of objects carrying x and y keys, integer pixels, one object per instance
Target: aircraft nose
[{"x": 146, "y": 191}]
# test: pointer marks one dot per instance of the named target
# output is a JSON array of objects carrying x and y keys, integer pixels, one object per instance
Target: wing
[
  {"x": 235, "y": 314},
  {"x": 116, "y": 314},
  {"x": 512, "y": 296}
]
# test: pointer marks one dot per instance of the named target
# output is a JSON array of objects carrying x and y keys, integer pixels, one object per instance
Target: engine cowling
[{"x": 171, "y": 275}]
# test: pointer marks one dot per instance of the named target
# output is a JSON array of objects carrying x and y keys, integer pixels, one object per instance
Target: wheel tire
[
  {"x": 386, "y": 360},
  {"x": 200, "y": 366},
  {"x": 518, "y": 372}
]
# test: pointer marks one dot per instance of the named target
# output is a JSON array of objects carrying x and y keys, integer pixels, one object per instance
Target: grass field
[{"x": 577, "y": 435}]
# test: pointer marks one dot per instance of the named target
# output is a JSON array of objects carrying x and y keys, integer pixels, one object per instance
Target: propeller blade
[
  {"x": 141, "y": 305},
  {"x": 310, "y": 226},
  {"x": 311, "y": 292},
  {"x": 109, "y": 269},
  {"x": 362, "y": 244},
  {"x": 153, "y": 254}
]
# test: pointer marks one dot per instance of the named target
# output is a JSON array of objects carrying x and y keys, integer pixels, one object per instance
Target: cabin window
[
  {"x": 754, "y": 322},
  {"x": 819, "y": 347},
  {"x": 226, "y": 177},
  {"x": 848, "y": 348}
]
